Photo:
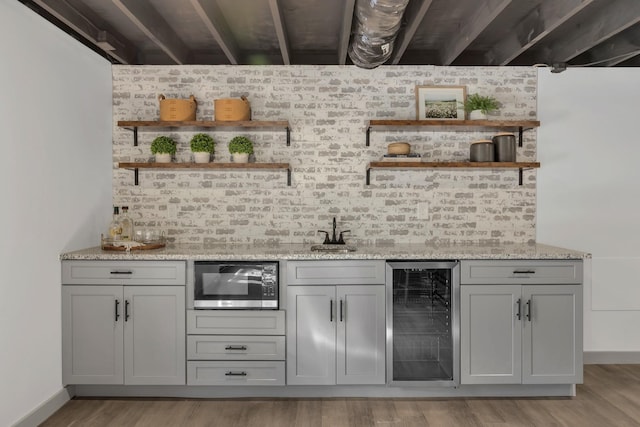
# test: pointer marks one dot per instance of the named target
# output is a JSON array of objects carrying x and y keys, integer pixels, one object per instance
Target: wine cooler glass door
[{"x": 422, "y": 316}]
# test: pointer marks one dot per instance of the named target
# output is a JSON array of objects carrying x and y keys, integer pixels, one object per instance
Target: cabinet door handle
[
  {"x": 236, "y": 374},
  {"x": 529, "y": 310},
  {"x": 126, "y": 310},
  {"x": 341, "y": 311},
  {"x": 122, "y": 272},
  {"x": 236, "y": 347},
  {"x": 117, "y": 310},
  {"x": 518, "y": 314},
  {"x": 330, "y": 310},
  {"x": 524, "y": 272}
]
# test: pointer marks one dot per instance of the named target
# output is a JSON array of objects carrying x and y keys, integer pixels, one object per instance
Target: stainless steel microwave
[{"x": 236, "y": 285}]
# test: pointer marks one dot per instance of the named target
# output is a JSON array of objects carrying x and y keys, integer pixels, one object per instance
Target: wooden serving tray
[{"x": 145, "y": 247}]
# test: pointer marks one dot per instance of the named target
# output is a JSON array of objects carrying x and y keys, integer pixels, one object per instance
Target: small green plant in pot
[
  {"x": 240, "y": 148},
  {"x": 479, "y": 106},
  {"x": 202, "y": 146},
  {"x": 163, "y": 147}
]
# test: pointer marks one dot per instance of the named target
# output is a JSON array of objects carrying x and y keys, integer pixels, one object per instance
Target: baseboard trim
[
  {"x": 611, "y": 357},
  {"x": 47, "y": 408}
]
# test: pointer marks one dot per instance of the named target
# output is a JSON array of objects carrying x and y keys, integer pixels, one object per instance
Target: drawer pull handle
[
  {"x": 236, "y": 374},
  {"x": 524, "y": 272},
  {"x": 236, "y": 347},
  {"x": 117, "y": 310},
  {"x": 122, "y": 272},
  {"x": 529, "y": 310},
  {"x": 519, "y": 314},
  {"x": 126, "y": 310}
]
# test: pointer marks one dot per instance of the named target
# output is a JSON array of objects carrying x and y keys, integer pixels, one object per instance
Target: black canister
[
  {"x": 482, "y": 151},
  {"x": 505, "y": 147}
]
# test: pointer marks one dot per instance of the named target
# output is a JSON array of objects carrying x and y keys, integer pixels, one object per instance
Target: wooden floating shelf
[
  {"x": 147, "y": 165},
  {"x": 202, "y": 124},
  {"x": 469, "y": 165},
  {"x": 453, "y": 165},
  {"x": 210, "y": 166},
  {"x": 516, "y": 124}
]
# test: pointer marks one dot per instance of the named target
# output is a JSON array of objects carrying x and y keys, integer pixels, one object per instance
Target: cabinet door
[
  {"x": 360, "y": 351},
  {"x": 490, "y": 334},
  {"x": 552, "y": 334},
  {"x": 311, "y": 335},
  {"x": 154, "y": 335},
  {"x": 92, "y": 335}
]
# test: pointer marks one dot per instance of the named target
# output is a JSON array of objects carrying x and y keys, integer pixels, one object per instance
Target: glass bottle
[
  {"x": 127, "y": 224},
  {"x": 115, "y": 227}
]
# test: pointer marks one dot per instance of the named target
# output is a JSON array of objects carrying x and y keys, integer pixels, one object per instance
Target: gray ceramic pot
[
  {"x": 505, "y": 147},
  {"x": 482, "y": 151}
]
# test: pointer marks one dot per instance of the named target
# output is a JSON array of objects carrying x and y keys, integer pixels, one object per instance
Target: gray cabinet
[
  {"x": 361, "y": 334},
  {"x": 119, "y": 333},
  {"x": 235, "y": 347},
  {"x": 154, "y": 335},
  {"x": 92, "y": 335},
  {"x": 336, "y": 335},
  {"x": 311, "y": 335},
  {"x": 521, "y": 333}
]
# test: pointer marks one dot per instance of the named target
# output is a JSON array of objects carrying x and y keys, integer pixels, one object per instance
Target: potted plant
[
  {"x": 202, "y": 146},
  {"x": 240, "y": 148},
  {"x": 163, "y": 148},
  {"x": 479, "y": 106}
]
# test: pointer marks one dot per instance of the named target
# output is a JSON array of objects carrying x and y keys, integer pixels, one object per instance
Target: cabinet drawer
[
  {"x": 231, "y": 347},
  {"x": 235, "y": 373},
  {"x": 235, "y": 322},
  {"x": 521, "y": 272},
  {"x": 335, "y": 272},
  {"x": 123, "y": 273}
]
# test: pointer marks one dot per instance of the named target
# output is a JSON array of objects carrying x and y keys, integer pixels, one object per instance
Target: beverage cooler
[{"x": 423, "y": 334}]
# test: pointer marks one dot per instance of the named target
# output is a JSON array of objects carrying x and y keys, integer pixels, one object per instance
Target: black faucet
[{"x": 333, "y": 240}]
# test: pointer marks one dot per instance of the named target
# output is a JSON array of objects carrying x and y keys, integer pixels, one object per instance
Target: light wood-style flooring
[{"x": 610, "y": 396}]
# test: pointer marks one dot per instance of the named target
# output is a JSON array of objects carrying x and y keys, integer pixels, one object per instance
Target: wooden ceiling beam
[
  {"x": 213, "y": 19},
  {"x": 540, "y": 22},
  {"x": 480, "y": 14},
  {"x": 614, "y": 17},
  {"x": 154, "y": 26},
  {"x": 281, "y": 31},
  {"x": 113, "y": 44},
  {"x": 616, "y": 50},
  {"x": 416, "y": 10},
  {"x": 345, "y": 30}
]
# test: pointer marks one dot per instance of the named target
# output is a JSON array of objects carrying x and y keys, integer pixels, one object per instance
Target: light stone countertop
[{"x": 303, "y": 252}]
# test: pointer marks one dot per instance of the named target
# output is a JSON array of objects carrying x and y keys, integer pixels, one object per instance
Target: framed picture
[{"x": 440, "y": 102}]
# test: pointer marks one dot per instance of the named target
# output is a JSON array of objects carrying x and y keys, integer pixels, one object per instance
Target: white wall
[
  {"x": 55, "y": 127},
  {"x": 588, "y": 194}
]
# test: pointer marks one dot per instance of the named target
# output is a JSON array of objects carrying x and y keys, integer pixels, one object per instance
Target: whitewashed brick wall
[{"x": 328, "y": 108}]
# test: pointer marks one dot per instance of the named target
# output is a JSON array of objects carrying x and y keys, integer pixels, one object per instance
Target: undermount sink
[{"x": 333, "y": 248}]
